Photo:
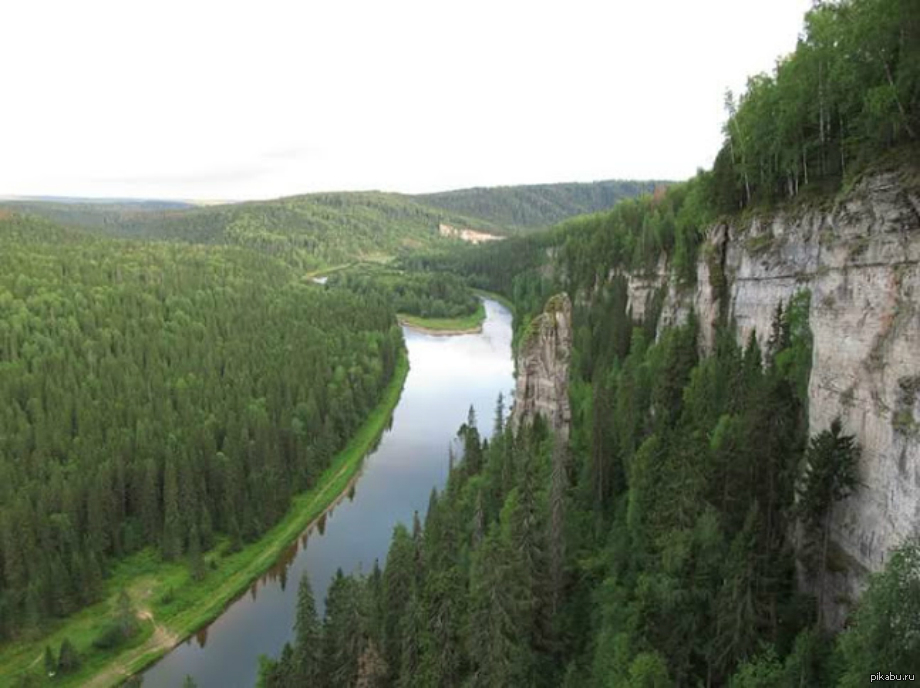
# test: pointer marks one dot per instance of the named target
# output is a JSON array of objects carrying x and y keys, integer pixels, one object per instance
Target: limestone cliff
[
  {"x": 860, "y": 258},
  {"x": 543, "y": 368}
]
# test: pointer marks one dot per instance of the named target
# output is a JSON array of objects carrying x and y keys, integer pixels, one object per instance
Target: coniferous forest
[
  {"x": 157, "y": 395},
  {"x": 421, "y": 293}
]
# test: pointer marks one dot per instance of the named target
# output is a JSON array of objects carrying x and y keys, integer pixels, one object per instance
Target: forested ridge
[
  {"x": 308, "y": 231},
  {"x": 89, "y": 213},
  {"x": 320, "y": 229},
  {"x": 164, "y": 396},
  {"x": 537, "y": 205},
  {"x": 655, "y": 548}
]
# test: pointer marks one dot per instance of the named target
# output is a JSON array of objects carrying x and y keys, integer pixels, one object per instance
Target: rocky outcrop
[
  {"x": 860, "y": 259},
  {"x": 472, "y": 236},
  {"x": 543, "y": 369}
]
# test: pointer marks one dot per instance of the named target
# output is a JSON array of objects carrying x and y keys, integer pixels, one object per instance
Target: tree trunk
[
  {"x": 805, "y": 164},
  {"x": 910, "y": 129},
  {"x": 843, "y": 168}
]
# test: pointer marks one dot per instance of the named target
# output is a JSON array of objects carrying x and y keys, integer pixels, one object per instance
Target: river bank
[{"x": 445, "y": 327}]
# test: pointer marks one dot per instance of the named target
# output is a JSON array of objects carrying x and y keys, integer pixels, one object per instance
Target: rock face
[
  {"x": 860, "y": 258},
  {"x": 543, "y": 369},
  {"x": 471, "y": 236}
]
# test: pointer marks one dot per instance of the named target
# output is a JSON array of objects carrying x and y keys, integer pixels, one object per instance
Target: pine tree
[
  {"x": 472, "y": 444},
  {"x": 149, "y": 502},
  {"x": 308, "y": 631},
  {"x": 498, "y": 623},
  {"x": 51, "y": 664},
  {"x": 68, "y": 659},
  {"x": 196, "y": 563},
  {"x": 398, "y": 585},
  {"x": 125, "y": 619},
  {"x": 558, "y": 488},
  {"x": 343, "y": 632},
  {"x": 172, "y": 522},
  {"x": 372, "y": 669},
  {"x": 410, "y": 631},
  {"x": 831, "y": 465},
  {"x": 499, "y": 422}
]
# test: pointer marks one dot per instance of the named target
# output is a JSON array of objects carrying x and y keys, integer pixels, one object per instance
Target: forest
[
  {"x": 171, "y": 393},
  {"x": 653, "y": 548},
  {"x": 307, "y": 232},
  {"x": 424, "y": 294},
  {"x": 849, "y": 93},
  {"x": 162, "y": 396},
  {"x": 322, "y": 229},
  {"x": 651, "y": 551},
  {"x": 539, "y": 205}
]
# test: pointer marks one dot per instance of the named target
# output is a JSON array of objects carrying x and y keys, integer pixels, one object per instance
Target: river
[{"x": 446, "y": 376}]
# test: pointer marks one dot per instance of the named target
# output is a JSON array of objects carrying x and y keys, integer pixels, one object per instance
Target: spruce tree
[
  {"x": 307, "y": 657},
  {"x": 830, "y": 474},
  {"x": 68, "y": 659},
  {"x": 398, "y": 586},
  {"x": 51, "y": 664}
]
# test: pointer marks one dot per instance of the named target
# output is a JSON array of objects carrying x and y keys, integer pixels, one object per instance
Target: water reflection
[{"x": 447, "y": 375}]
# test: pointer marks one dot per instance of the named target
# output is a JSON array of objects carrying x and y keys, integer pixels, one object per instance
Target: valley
[{"x": 621, "y": 433}]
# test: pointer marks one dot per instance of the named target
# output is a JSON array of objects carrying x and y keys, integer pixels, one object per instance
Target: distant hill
[
  {"x": 328, "y": 228},
  {"x": 537, "y": 205},
  {"x": 90, "y": 213},
  {"x": 307, "y": 231},
  {"x": 140, "y": 203}
]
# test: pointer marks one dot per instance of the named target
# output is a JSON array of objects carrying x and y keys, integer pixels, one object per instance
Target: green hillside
[
  {"x": 320, "y": 229},
  {"x": 90, "y": 213},
  {"x": 305, "y": 231},
  {"x": 536, "y": 205}
]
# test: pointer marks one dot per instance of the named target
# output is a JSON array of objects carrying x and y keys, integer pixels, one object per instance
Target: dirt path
[
  {"x": 162, "y": 639},
  {"x": 162, "y": 636}
]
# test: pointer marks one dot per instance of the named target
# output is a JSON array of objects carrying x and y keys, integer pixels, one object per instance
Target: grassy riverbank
[
  {"x": 462, "y": 325},
  {"x": 171, "y": 605}
]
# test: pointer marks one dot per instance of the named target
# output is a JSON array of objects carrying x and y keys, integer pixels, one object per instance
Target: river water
[{"x": 447, "y": 375}]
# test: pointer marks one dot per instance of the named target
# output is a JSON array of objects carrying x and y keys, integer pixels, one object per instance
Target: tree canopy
[{"x": 162, "y": 395}]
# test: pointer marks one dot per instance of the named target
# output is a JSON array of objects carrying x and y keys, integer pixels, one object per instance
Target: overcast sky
[{"x": 232, "y": 100}]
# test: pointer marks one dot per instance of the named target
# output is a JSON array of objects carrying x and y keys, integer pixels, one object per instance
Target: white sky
[{"x": 194, "y": 99}]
